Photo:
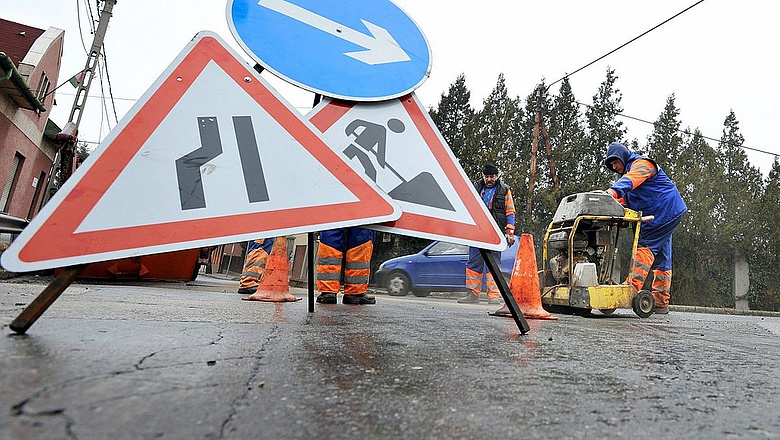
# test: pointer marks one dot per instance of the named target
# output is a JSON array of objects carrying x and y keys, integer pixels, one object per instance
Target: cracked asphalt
[{"x": 193, "y": 361}]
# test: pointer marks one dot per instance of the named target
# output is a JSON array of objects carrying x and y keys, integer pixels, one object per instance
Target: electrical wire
[
  {"x": 81, "y": 31},
  {"x": 627, "y": 43},
  {"x": 776, "y": 155},
  {"x": 103, "y": 105},
  {"x": 108, "y": 81},
  {"x": 686, "y": 132}
]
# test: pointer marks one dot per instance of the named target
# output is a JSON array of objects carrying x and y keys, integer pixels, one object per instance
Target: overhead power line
[
  {"x": 687, "y": 132},
  {"x": 627, "y": 43}
]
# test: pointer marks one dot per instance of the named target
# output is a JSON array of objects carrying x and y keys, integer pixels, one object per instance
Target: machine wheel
[
  {"x": 607, "y": 311},
  {"x": 398, "y": 284},
  {"x": 643, "y": 303}
]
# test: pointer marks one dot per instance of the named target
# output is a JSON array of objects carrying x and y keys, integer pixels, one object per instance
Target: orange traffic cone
[
  {"x": 275, "y": 285},
  {"x": 524, "y": 283}
]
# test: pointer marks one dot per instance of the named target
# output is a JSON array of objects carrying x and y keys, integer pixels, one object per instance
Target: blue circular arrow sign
[{"x": 359, "y": 50}]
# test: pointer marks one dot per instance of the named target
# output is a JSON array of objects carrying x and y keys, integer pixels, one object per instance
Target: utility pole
[
  {"x": 68, "y": 137},
  {"x": 539, "y": 126}
]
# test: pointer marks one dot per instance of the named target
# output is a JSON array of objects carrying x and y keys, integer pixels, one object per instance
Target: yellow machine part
[
  {"x": 611, "y": 297},
  {"x": 601, "y": 297}
]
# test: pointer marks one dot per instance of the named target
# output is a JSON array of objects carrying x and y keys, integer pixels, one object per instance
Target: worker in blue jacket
[{"x": 644, "y": 186}]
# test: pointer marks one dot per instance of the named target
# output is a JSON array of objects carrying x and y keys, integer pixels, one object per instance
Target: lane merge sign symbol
[
  {"x": 360, "y": 50},
  {"x": 209, "y": 155}
]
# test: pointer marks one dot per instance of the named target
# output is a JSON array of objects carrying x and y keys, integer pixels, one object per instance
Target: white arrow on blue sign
[{"x": 358, "y": 50}]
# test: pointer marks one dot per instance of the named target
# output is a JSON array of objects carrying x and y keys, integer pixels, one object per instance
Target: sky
[{"x": 714, "y": 58}]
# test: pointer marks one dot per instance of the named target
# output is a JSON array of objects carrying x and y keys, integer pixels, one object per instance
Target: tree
[
  {"x": 699, "y": 268},
  {"x": 542, "y": 196},
  {"x": 453, "y": 116},
  {"x": 603, "y": 129},
  {"x": 82, "y": 152},
  {"x": 764, "y": 291},
  {"x": 495, "y": 137},
  {"x": 665, "y": 142},
  {"x": 742, "y": 184},
  {"x": 568, "y": 140}
]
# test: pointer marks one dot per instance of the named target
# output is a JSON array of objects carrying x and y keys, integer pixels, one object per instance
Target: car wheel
[
  {"x": 398, "y": 284},
  {"x": 421, "y": 293}
]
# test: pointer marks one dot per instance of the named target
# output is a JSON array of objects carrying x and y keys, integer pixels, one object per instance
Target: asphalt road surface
[{"x": 193, "y": 361}]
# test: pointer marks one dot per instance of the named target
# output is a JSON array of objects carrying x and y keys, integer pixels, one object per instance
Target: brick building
[{"x": 30, "y": 60}]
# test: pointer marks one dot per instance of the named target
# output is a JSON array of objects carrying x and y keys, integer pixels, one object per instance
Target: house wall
[{"x": 21, "y": 131}]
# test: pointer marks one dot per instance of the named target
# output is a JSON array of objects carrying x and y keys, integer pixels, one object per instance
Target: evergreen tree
[
  {"x": 698, "y": 265},
  {"x": 734, "y": 213},
  {"x": 665, "y": 142},
  {"x": 542, "y": 198},
  {"x": 453, "y": 116},
  {"x": 494, "y": 137},
  {"x": 764, "y": 290},
  {"x": 742, "y": 184},
  {"x": 568, "y": 140},
  {"x": 603, "y": 129}
]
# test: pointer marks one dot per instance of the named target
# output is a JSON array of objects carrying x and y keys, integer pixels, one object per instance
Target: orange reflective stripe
[
  {"x": 643, "y": 261},
  {"x": 641, "y": 170},
  {"x": 254, "y": 268},
  {"x": 509, "y": 203},
  {"x": 358, "y": 268},
  {"x": 492, "y": 288},
  {"x": 473, "y": 281},
  {"x": 662, "y": 285},
  {"x": 328, "y": 268}
]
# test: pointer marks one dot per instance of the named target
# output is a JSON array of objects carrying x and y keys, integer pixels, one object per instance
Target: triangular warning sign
[
  {"x": 396, "y": 144},
  {"x": 209, "y": 155}
]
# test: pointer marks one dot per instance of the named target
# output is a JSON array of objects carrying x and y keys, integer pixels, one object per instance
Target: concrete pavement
[{"x": 191, "y": 360}]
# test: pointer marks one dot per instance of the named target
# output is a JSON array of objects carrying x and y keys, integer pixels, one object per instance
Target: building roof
[{"x": 16, "y": 39}]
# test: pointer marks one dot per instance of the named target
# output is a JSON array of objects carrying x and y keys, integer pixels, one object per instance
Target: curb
[{"x": 722, "y": 311}]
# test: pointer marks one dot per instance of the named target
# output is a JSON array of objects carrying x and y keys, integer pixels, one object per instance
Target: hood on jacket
[{"x": 616, "y": 150}]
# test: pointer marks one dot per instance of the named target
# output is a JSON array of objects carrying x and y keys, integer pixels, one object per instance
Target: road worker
[
  {"x": 644, "y": 186},
  {"x": 498, "y": 198},
  {"x": 353, "y": 247},
  {"x": 257, "y": 253}
]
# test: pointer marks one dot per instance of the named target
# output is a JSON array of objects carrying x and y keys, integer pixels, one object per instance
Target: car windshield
[{"x": 442, "y": 248}]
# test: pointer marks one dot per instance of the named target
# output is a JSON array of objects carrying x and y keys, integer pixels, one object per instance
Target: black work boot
[
  {"x": 469, "y": 299},
  {"x": 363, "y": 298},
  {"x": 326, "y": 298},
  {"x": 660, "y": 310}
]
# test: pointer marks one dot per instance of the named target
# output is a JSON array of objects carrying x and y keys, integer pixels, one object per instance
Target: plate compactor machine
[{"x": 588, "y": 255}]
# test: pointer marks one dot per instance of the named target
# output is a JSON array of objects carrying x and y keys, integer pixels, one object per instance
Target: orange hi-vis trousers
[
  {"x": 255, "y": 261},
  {"x": 474, "y": 284},
  {"x": 662, "y": 279},
  {"x": 475, "y": 267},
  {"x": 357, "y": 267}
]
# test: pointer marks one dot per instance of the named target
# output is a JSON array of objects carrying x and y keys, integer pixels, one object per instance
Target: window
[
  {"x": 10, "y": 182},
  {"x": 444, "y": 248},
  {"x": 43, "y": 87},
  {"x": 39, "y": 184}
]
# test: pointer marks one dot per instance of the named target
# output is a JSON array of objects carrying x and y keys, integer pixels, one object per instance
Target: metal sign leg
[
  {"x": 495, "y": 270},
  {"x": 310, "y": 266},
  {"x": 41, "y": 303}
]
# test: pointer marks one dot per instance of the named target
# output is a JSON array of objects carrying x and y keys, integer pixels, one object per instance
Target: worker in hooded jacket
[{"x": 644, "y": 186}]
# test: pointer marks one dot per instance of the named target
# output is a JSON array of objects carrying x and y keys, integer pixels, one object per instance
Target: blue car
[{"x": 441, "y": 266}]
